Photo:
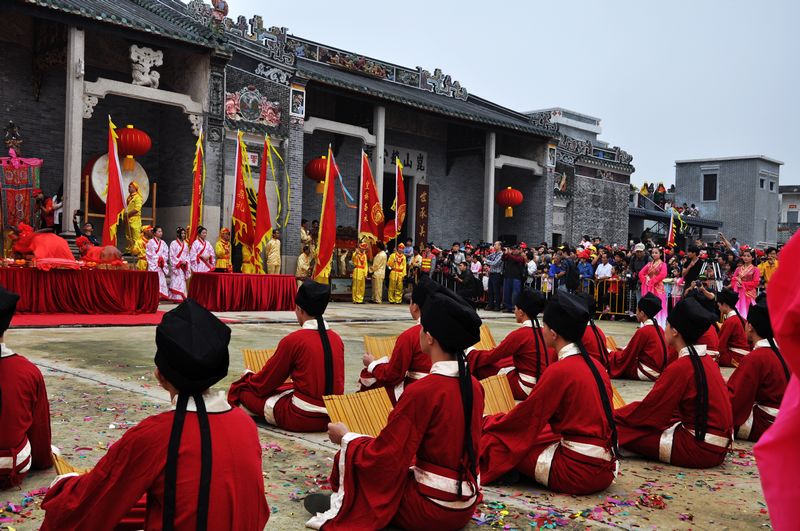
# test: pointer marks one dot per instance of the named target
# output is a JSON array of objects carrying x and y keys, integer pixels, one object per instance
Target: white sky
[{"x": 670, "y": 80}]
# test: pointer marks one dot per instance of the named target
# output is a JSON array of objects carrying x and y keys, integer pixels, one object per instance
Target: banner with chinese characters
[
  {"x": 415, "y": 163},
  {"x": 20, "y": 178},
  {"x": 422, "y": 213}
]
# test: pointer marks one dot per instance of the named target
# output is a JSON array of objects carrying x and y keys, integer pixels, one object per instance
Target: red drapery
[
  {"x": 87, "y": 291},
  {"x": 229, "y": 292}
]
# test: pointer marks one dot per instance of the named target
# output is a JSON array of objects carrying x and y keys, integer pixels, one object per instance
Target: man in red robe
[
  {"x": 522, "y": 355},
  {"x": 420, "y": 472},
  {"x": 593, "y": 338},
  {"x": 407, "y": 363},
  {"x": 314, "y": 359},
  {"x": 710, "y": 338},
  {"x": 733, "y": 345},
  {"x": 24, "y": 410},
  {"x": 759, "y": 382},
  {"x": 563, "y": 434},
  {"x": 686, "y": 418},
  {"x": 645, "y": 356},
  {"x": 199, "y": 465}
]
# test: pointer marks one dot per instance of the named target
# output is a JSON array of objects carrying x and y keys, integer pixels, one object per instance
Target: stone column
[
  {"x": 294, "y": 164},
  {"x": 379, "y": 130},
  {"x": 73, "y": 126},
  {"x": 488, "y": 187}
]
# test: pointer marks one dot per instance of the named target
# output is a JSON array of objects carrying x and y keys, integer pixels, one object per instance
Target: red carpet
[{"x": 52, "y": 320}]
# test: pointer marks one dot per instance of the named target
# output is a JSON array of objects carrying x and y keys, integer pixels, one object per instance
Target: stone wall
[{"x": 598, "y": 208}]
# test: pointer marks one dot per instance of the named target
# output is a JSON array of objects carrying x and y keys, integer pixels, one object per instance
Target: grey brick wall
[
  {"x": 598, "y": 208},
  {"x": 743, "y": 207}
]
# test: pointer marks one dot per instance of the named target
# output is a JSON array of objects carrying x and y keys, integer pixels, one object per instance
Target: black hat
[
  {"x": 728, "y": 296},
  {"x": 591, "y": 304},
  {"x": 567, "y": 315},
  {"x": 690, "y": 319},
  {"x": 424, "y": 288},
  {"x": 650, "y": 305},
  {"x": 192, "y": 348},
  {"x": 8, "y": 304},
  {"x": 758, "y": 317},
  {"x": 313, "y": 297},
  {"x": 451, "y": 320},
  {"x": 531, "y": 302}
]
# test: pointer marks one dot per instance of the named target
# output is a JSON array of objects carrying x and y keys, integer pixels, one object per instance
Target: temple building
[{"x": 172, "y": 69}]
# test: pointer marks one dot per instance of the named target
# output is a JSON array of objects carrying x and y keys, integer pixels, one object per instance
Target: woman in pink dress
[
  {"x": 179, "y": 259},
  {"x": 202, "y": 254},
  {"x": 745, "y": 282},
  {"x": 652, "y": 278}
]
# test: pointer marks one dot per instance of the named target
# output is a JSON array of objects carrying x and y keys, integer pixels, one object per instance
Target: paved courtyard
[{"x": 100, "y": 383}]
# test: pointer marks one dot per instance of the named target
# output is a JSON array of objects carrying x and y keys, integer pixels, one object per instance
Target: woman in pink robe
[
  {"x": 158, "y": 260},
  {"x": 652, "y": 278},
  {"x": 179, "y": 259},
  {"x": 202, "y": 256},
  {"x": 745, "y": 282}
]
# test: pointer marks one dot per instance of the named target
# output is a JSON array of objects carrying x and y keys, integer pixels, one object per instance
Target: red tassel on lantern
[
  {"x": 315, "y": 170},
  {"x": 132, "y": 143},
  {"x": 509, "y": 198}
]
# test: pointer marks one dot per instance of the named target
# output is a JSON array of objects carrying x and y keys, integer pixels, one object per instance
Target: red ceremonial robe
[
  {"x": 559, "y": 435},
  {"x": 408, "y": 475},
  {"x": 710, "y": 339},
  {"x": 24, "y": 419},
  {"x": 733, "y": 344},
  {"x": 596, "y": 345},
  {"x": 406, "y": 365},
  {"x": 515, "y": 357},
  {"x": 757, "y": 386},
  {"x": 135, "y": 465},
  {"x": 643, "y": 358},
  {"x": 662, "y": 425},
  {"x": 296, "y": 405}
]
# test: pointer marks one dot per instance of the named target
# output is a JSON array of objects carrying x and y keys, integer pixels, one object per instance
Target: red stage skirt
[
  {"x": 233, "y": 292},
  {"x": 87, "y": 291}
]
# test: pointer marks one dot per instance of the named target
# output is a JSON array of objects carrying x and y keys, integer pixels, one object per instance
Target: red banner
[
  {"x": 243, "y": 224},
  {"x": 370, "y": 222},
  {"x": 263, "y": 223},
  {"x": 198, "y": 185},
  {"x": 422, "y": 213},
  {"x": 326, "y": 238},
  {"x": 393, "y": 228}
]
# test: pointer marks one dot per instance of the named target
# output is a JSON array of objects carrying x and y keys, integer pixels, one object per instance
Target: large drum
[{"x": 97, "y": 170}]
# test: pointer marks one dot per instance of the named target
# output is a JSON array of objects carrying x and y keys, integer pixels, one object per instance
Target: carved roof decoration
[{"x": 169, "y": 19}]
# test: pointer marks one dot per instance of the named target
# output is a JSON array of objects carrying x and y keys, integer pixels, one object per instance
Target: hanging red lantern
[
  {"x": 132, "y": 143},
  {"x": 315, "y": 170},
  {"x": 509, "y": 198}
]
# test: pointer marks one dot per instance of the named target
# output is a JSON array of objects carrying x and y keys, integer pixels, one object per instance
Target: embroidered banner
[{"x": 422, "y": 213}]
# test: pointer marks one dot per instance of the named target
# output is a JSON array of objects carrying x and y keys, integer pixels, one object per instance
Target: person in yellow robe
[
  {"x": 378, "y": 273},
  {"x": 303, "y": 270},
  {"x": 359, "y": 273},
  {"x": 273, "y": 251},
  {"x": 251, "y": 261},
  {"x": 397, "y": 264},
  {"x": 222, "y": 250},
  {"x": 133, "y": 211},
  {"x": 140, "y": 248}
]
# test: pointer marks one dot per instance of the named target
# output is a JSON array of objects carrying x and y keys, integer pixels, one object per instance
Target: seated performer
[
  {"x": 24, "y": 410},
  {"x": 758, "y": 383},
  {"x": 407, "y": 363},
  {"x": 201, "y": 255},
  {"x": 733, "y": 345},
  {"x": 420, "y": 471},
  {"x": 645, "y": 356},
  {"x": 222, "y": 250},
  {"x": 179, "y": 260},
  {"x": 685, "y": 419},
  {"x": 522, "y": 355},
  {"x": 99, "y": 254},
  {"x": 593, "y": 338},
  {"x": 158, "y": 260},
  {"x": 563, "y": 434},
  {"x": 140, "y": 248},
  {"x": 709, "y": 339},
  {"x": 199, "y": 465},
  {"x": 313, "y": 356}
]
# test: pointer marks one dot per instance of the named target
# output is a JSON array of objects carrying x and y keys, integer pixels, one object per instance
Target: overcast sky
[{"x": 670, "y": 80}]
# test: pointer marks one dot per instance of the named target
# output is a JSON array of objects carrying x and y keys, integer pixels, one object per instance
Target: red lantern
[
  {"x": 509, "y": 198},
  {"x": 132, "y": 142},
  {"x": 315, "y": 170}
]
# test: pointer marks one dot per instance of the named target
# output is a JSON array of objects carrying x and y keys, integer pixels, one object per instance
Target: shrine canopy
[{"x": 20, "y": 178}]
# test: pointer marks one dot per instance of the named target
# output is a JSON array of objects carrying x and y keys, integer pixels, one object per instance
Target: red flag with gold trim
[
  {"x": 263, "y": 228},
  {"x": 115, "y": 197},
  {"x": 243, "y": 223},
  {"x": 198, "y": 185},
  {"x": 370, "y": 220},
  {"x": 326, "y": 239},
  {"x": 393, "y": 228}
]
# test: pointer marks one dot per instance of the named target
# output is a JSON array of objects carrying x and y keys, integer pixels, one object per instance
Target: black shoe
[
  {"x": 509, "y": 478},
  {"x": 317, "y": 503}
]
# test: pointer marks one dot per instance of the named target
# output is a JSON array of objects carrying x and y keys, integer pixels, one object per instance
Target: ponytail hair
[
  {"x": 701, "y": 402},
  {"x": 604, "y": 398},
  {"x": 777, "y": 352},
  {"x": 465, "y": 385},
  {"x": 663, "y": 343},
  {"x": 328, "y": 354}
]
